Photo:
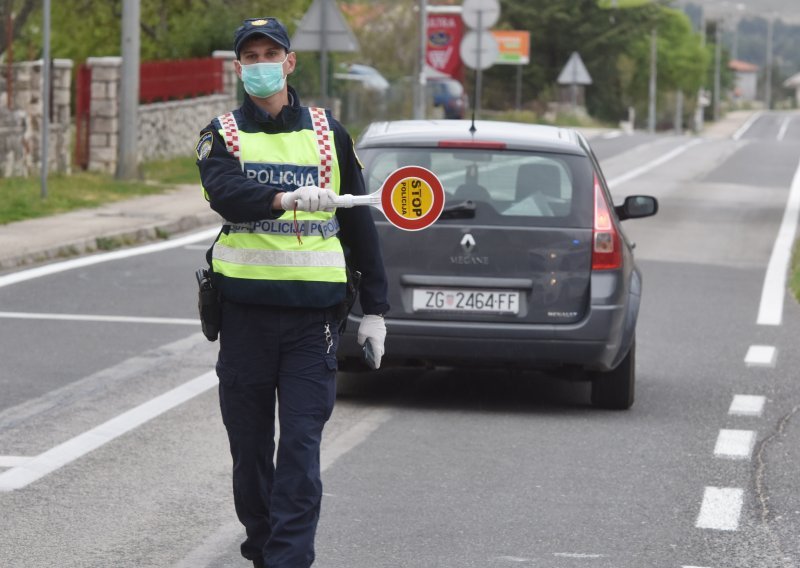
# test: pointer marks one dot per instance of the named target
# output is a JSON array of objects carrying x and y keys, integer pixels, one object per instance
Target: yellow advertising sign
[{"x": 514, "y": 47}]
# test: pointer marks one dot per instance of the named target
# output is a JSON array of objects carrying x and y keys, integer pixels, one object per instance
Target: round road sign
[
  {"x": 482, "y": 58},
  {"x": 412, "y": 198},
  {"x": 480, "y": 14}
]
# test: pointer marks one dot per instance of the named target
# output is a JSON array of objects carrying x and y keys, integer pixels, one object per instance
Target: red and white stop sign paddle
[{"x": 411, "y": 198}]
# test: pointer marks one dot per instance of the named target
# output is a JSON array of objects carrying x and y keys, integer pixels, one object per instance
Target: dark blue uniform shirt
[{"x": 239, "y": 199}]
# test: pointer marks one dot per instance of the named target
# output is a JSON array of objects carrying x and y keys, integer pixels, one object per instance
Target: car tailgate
[{"x": 463, "y": 272}]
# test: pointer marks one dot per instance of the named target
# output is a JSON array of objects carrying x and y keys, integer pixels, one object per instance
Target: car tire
[{"x": 614, "y": 389}]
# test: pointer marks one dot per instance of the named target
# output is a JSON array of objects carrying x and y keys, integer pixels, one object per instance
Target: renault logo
[{"x": 467, "y": 243}]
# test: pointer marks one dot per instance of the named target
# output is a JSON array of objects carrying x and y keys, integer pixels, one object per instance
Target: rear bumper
[
  {"x": 598, "y": 342},
  {"x": 592, "y": 344}
]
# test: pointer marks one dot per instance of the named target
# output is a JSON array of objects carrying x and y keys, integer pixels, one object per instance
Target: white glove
[
  {"x": 373, "y": 329},
  {"x": 309, "y": 198}
]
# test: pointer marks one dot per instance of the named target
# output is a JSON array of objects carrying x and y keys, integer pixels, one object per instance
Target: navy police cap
[{"x": 269, "y": 27}]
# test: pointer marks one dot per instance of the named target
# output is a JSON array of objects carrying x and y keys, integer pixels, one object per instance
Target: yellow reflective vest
[{"x": 297, "y": 259}]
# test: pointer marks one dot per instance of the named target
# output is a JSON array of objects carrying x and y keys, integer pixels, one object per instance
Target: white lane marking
[
  {"x": 13, "y": 461},
  {"x": 207, "y": 554},
  {"x": 352, "y": 437},
  {"x": 98, "y": 318},
  {"x": 576, "y": 555},
  {"x": 57, "y": 267},
  {"x": 82, "y": 444},
  {"x": 519, "y": 559},
  {"x": 693, "y": 567},
  {"x": 720, "y": 509},
  {"x": 735, "y": 444},
  {"x": 747, "y": 405},
  {"x": 784, "y": 127},
  {"x": 611, "y": 135},
  {"x": 746, "y": 126},
  {"x": 760, "y": 356},
  {"x": 653, "y": 164},
  {"x": 770, "y": 310}
]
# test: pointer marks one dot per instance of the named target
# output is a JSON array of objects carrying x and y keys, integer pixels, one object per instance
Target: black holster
[
  {"x": 343, "y": 309},
  {"x": 209, "y": 305}
]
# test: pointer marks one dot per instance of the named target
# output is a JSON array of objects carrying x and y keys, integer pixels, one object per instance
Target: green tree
[
  {"x": 170, "y": 29},
  {"x": 614, "y": 43}
]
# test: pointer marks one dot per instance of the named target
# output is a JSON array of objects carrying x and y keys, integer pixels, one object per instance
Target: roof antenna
[{"x": 472, "y": 129}]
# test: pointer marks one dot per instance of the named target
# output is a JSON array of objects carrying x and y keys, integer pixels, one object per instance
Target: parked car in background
[
  {"x": 448, "y": 94},
  {"x": 364, "y": 75},
  {"x": 527, "y": 267}
]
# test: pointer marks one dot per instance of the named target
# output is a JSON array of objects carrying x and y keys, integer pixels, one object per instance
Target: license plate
[{"x": 480, "y": 301}]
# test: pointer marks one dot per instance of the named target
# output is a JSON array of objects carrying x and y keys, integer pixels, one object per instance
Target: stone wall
[
  {"x": 21, "y": 124},
  {"x": 165, "y": 130}
]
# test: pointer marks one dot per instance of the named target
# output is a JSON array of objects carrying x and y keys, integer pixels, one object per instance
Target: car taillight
[{"x": 606, "y": 245}]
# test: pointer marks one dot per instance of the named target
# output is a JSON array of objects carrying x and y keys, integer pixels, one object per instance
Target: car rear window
[{"x": 507, "y": 187}]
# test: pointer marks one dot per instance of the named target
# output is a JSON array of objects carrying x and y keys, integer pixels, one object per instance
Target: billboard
[
  {"x": 514, "y": 47},
  {"x": 444, "y": 38}
]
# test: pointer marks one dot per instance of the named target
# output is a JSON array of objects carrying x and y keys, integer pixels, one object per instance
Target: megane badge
[{"x": 467, "y": 243}]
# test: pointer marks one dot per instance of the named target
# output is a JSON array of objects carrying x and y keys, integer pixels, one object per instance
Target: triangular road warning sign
[
  {"x": 574, "y": 72},
  {"x": 323, "y": 26}
]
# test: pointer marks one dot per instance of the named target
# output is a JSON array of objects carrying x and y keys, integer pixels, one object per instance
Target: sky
[{"x": 788, "y": 10}]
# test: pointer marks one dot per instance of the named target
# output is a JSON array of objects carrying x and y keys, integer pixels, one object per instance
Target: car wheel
[{"x": 615, "y": 389}]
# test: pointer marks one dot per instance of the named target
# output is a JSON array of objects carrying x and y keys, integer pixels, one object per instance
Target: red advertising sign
[{"x": 444, "y": 38}]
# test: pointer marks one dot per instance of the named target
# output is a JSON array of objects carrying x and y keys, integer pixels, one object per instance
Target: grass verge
[
  {"x": 21, "y": 198},
  {"x": 794, "y": 272}
]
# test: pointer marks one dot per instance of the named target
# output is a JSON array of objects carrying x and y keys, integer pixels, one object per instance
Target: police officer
[{"x": 272, "y": 168}]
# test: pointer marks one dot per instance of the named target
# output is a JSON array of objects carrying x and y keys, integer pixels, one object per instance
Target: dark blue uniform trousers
[{"x": 266, "y": 353}]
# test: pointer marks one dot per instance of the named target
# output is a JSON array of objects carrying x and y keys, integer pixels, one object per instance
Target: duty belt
[{"x": 325, "y": 229}]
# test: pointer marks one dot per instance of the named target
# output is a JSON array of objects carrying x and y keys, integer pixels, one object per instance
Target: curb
[{"x": 111, "y": 240}]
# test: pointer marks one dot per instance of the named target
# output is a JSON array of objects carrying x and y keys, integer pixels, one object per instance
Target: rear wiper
[{"x": 461, "y": 210}]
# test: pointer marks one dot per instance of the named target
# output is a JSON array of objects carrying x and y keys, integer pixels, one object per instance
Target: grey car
[{"x": 526, "y": 268}]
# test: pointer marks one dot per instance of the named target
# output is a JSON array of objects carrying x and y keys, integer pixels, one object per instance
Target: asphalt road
[{"x": 109, "y": 401}]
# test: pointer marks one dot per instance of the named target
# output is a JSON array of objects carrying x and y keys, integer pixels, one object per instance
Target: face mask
[{"x": 263, "y": 79}]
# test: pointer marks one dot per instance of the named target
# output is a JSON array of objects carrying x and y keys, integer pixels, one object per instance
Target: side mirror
[{"x": 636, "y": 207}]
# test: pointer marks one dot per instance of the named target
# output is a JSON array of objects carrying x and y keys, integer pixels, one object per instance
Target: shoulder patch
[{"x": 204, "y": 145}]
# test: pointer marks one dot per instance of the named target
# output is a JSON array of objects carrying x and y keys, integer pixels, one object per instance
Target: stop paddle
[{"x": 411, "y": 198}]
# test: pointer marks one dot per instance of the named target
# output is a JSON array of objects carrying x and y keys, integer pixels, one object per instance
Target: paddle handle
[{"x": 347, "y": 200}]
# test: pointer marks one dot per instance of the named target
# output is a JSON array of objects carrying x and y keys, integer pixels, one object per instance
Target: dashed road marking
[
  {"x": 746, "y": 126},
  {"x": 747, "y": 405},
  {"x": 652, "y": 164},
  {"x": 735, "y": 444},
  {"x": 784, "y": 127},
  {"x": 761, "y": 356},
  {"x": 720, "y": 509}
]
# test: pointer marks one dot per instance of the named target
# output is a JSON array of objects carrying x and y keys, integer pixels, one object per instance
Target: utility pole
[
  {"x": 127, "y": 155},
  {"x": 717, "y": 60},
  {"x": 419, "y": 91},
  {"x": 651, "y": 114},
  {"x": 768, "y": 85},
  {"x": 323, "y": 54},
  {"x": 10, "y": 60},
  {"x": 45, "y": 95}
]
